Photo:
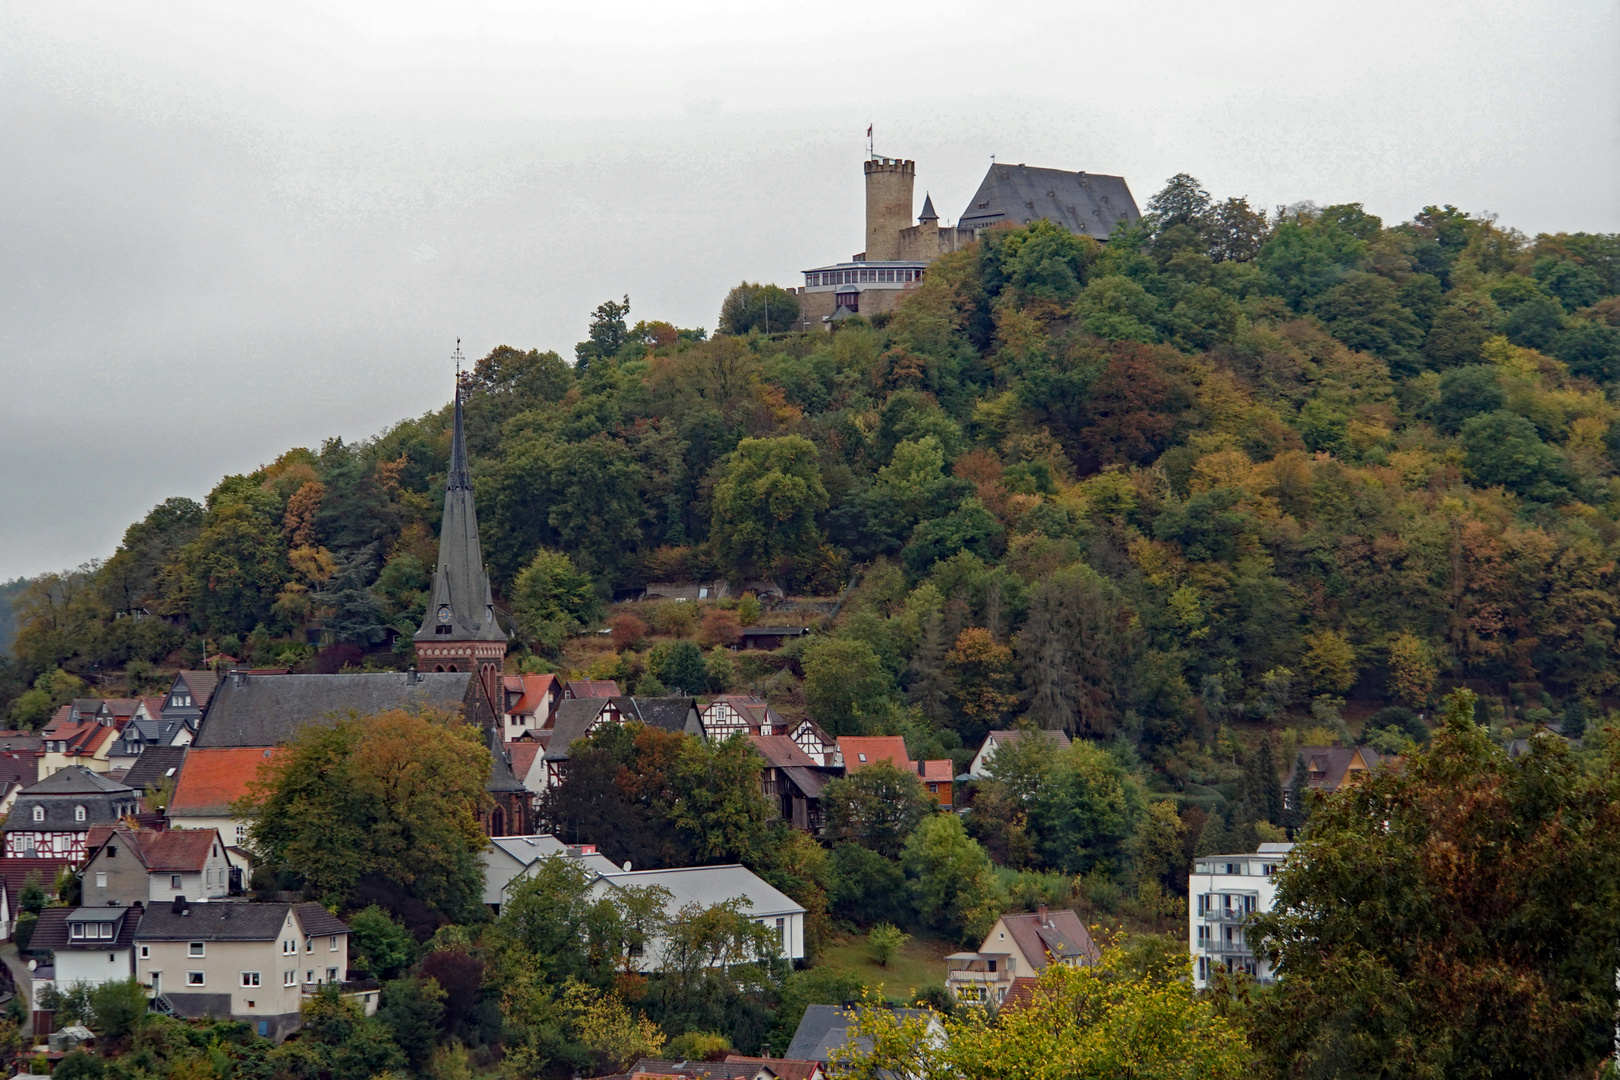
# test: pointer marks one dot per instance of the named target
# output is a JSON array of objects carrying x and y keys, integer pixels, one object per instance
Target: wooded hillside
[{"x": 1228, "y": 467}]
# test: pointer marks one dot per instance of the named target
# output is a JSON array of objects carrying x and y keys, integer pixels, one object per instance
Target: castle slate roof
[
  {"x": 267, "y": 710},
  {"x": 1089, "y": 204},
  {"x": 460, "y": 583}
]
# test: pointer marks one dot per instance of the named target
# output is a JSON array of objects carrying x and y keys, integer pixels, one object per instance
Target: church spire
[{"x": 461, "y": 611}]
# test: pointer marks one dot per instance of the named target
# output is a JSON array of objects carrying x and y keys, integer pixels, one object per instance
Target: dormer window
[
  {"x": 78, "y": 813},
  {"x": 39, "y": 813}
]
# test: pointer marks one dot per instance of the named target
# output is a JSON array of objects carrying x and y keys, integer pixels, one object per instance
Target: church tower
[{"x": 459, "y": 631}]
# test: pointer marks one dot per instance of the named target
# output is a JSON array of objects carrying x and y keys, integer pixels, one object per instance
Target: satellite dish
[
  {"x": 626, "y": 870},
  {"x": 32, "y": 964}
]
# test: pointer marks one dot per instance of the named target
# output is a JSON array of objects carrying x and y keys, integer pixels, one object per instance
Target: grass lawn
[{"x": 920, "y": 961}]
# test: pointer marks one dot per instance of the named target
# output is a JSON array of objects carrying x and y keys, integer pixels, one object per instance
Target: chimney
[
  {"x": 412, "y": 676},
  {"x": 239, "y": 678},
  {"x": 180, "y": 906},
  {"x": 1040, "y": 914}
]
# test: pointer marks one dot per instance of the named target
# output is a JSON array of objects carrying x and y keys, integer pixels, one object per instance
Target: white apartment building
[{"x": 1224, "y": 892}]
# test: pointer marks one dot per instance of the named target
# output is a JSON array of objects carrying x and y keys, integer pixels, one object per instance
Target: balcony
[{"x": 984, "y": 969}]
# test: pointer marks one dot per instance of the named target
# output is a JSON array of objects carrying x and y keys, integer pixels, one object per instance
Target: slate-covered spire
[
  {"x": 927, "y": 217},
  {"x": 462, "y": 607}
]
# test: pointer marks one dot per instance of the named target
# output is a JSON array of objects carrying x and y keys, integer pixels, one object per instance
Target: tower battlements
[{"x": 894, "y": 165}]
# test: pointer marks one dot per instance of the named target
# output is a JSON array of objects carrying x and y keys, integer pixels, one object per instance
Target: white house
[
  {"x": 979, "y": 768},
  {"x": 706, "y": 886},
  {"x": 1225, "y": 892},
  {"x": 91, "y": 945}
]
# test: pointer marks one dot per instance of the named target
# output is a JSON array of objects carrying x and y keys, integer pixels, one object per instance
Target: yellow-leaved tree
[{"x": 1108, "y": 1019}]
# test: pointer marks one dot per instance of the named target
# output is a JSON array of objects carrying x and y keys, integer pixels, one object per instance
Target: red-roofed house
[
  {"x": 530, "y": 704},
  {"x": 591, "y": 688},
  {"x": 211, "y": 779},
  {"x": 89, "y": 744},
  {"x": 936, "y": 776},
  {"x": 529, "y": 762},
  {"x": 140, "y": 866},
  {"x": 859, "y": 751}
]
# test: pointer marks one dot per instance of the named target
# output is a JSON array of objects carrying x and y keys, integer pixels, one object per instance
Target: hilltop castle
[{"x": 898, "y": 253}]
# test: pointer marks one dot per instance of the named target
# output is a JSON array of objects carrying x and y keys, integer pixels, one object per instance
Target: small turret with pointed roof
[
  {"x": 927, "y": 217},
  {"x": 460, "y": 631}
]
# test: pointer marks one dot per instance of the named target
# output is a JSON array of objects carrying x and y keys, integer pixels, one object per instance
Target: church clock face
[{"x": 444, "y": 614}]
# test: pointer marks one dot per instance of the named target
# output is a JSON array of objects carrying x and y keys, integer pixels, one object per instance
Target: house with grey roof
[
  {"x": 242, "y": 961},
  {"x": 508, "y": 858},
  {"x": 675, "y": 714},
  {"x": 824, "y": 1033},
  {"x": 158, "y": 766},
  {"x": 703, "y": 887},
  {"x": 52, "y": 819},
  {"x": 88, "y": 945}
]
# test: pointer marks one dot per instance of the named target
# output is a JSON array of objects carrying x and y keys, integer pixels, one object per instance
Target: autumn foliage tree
[
  {"x": 1455, "y": 917},
  {"x": 394, "y": 796},
  {"x": 982, "y": 672}
]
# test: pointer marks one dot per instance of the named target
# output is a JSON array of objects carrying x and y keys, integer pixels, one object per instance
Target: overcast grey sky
[{"x": 228, "y": 229}]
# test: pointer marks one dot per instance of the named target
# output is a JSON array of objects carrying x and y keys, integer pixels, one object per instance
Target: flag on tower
[{"x": 868, "y": 131}]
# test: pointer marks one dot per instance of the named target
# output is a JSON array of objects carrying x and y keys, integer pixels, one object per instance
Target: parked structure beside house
[
  {"x": 1224, "y": 892},
  {"x": 768, "y": 637},
  {"x": 248, "y": 962},
  {"x": 52, "y": 818},
  {"x": 1017, "y": 946}
]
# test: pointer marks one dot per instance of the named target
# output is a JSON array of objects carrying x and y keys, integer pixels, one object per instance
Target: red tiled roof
[
  {"x": 1020, "y": 994},
  {"x": 214, "y": 777},
  {"x": 787, "y": 1070},
  {"x": 939, "y": 770},
  {"x": 176, "y": 851},
  {"x": 534, "y": 689},
  {"x": 82, "y": 739},
  {"x": 154, "y": 705},
  {"x": 862, "y": 750},
  {"x": 522, "y": 755},
  {"x": 594, "y": 688}
]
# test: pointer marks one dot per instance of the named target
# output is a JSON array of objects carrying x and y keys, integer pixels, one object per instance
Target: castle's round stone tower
[{"x": 889, "y": 184}]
